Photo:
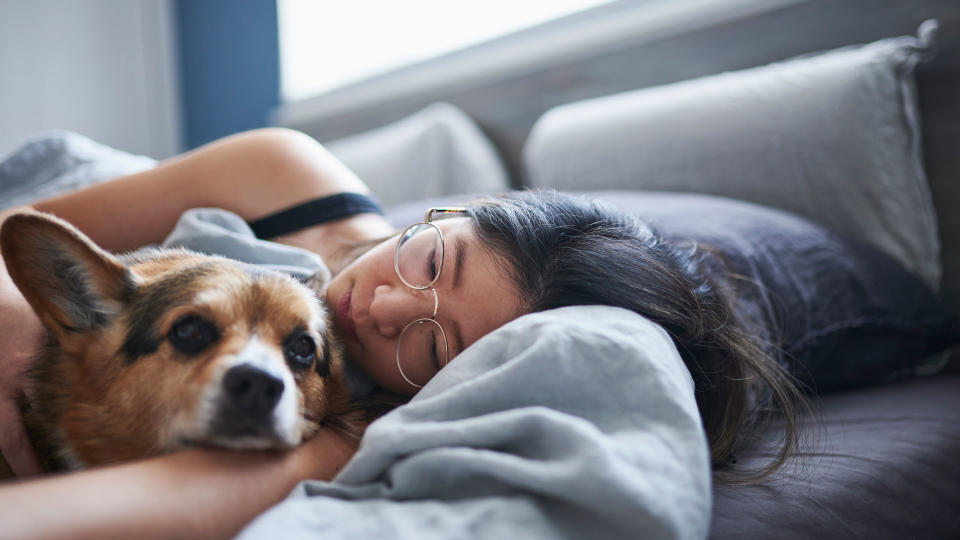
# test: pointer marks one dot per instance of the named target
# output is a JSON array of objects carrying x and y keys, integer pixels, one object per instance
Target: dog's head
[{"x": 166, "y": 349}]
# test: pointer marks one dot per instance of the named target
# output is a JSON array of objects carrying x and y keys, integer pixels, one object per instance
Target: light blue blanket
[{"x": 573, "y": 423}]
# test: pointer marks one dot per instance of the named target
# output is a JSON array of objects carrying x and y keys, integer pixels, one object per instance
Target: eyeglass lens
[
  {"x": 422, "y": 351},
  {"x": 419, "y": 255}
]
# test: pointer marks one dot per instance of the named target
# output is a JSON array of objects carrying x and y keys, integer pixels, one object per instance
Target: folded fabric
[
  {"x": 59, "y": 161},
  {"x": 572, "y": 423},
  {"x": 218, "y": 232}
]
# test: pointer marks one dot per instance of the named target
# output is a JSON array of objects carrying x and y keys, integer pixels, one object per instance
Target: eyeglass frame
[{"x": 427, "y": 220}]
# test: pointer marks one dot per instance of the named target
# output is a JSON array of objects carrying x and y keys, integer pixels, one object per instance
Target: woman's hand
[
  {"x": 19, "y": 341},
  {"x": 21, "y": 332},
  {"x": 202, "y": 493}
]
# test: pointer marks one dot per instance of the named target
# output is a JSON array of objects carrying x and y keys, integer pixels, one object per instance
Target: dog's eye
[
  {"x": 191, "y": 334},
  {"x": 300, "y": 351}
]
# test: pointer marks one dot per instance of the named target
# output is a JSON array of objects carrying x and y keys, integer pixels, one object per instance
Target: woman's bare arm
[
  {"x": 252, "y": 174},
  {"x": 193, "y": 494}
]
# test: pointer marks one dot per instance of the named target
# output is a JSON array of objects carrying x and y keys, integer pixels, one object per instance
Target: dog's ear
[{"x": 72, "y": 285}]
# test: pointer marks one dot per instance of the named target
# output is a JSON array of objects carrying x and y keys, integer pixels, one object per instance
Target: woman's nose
[{"x": 394, "y": 307}]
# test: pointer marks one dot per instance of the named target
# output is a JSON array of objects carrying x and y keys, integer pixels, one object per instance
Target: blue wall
[{"x": 229, "y": 66}]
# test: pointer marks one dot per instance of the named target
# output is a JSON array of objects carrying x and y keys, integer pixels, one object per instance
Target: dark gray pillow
[{"x": 839, "y": 313}]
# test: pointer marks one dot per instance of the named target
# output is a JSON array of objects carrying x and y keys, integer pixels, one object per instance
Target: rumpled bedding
[
  {"x": 573, "y": 423},
  {"x": 54, "y": 162}
]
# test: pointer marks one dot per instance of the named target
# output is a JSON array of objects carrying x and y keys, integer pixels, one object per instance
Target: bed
[{"x": 706, "y": 119}]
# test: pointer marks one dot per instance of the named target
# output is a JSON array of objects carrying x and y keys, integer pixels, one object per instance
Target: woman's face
[{"x": 372, "y": 306}]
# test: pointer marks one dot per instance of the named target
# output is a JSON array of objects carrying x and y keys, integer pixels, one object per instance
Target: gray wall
[{"x": 104, "y": 68}]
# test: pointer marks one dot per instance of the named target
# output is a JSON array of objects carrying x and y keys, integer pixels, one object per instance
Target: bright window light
[{"x": 331, "y": 43}]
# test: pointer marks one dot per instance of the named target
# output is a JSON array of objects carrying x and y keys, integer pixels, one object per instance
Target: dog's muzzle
[{"x": 248, "y": 398}]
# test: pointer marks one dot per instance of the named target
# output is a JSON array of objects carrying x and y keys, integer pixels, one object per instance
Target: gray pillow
[
  {"x": 833, "y": 137},
  {"x": 436, "y": 151}
]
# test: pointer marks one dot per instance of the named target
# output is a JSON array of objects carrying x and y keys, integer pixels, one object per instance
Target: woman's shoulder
[{"x": 339, "y": 241}]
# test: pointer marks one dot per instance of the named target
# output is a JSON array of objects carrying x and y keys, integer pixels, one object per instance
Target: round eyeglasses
[{"x": 418, "y": 260}]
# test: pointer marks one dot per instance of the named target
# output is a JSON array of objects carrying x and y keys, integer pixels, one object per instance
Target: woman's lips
[{"x": 344, "y": 321}]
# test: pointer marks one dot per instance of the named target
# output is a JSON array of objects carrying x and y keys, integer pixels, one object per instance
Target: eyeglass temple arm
[{"x": 444, "y": 210}]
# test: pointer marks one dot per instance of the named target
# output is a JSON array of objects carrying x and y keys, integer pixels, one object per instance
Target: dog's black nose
[{"x": 252, "y": 390}]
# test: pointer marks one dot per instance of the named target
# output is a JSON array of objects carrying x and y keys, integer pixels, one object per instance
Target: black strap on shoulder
[{"x": 314, "y": 212}]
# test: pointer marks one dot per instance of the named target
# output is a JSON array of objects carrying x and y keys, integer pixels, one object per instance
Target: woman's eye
[
  {"x": 192, "y": 334},
  {"x": 300, "y": 351},
  {"x": 432, "y": 264},
  {"x": 434, "y": 352}
]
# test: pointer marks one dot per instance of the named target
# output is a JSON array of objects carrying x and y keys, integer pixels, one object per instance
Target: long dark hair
[{"x": 562, "y": 250}]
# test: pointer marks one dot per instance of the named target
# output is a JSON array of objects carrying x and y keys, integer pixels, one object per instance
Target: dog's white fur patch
[{"x": 286, "y": 414}]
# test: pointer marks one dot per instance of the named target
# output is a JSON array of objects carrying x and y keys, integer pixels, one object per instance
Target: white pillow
[
  {"x": 436, "y": 151},
  {"x": 834, "y": 137}
]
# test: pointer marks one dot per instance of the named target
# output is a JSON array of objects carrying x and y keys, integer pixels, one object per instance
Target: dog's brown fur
[{"x": 109, "y": 384}]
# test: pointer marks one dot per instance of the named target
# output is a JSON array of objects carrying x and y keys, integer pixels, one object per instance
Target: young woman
[{"x": 402, "y": 313}]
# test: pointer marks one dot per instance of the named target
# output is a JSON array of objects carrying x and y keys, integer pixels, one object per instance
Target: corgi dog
[{"x": 162, "y": 349}]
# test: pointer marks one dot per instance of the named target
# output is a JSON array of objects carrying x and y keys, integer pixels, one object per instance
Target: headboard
[{"x": 653, "y": 42}]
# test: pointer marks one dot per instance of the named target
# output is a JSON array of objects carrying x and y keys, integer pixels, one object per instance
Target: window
[{"x": 327, "y": 44}]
